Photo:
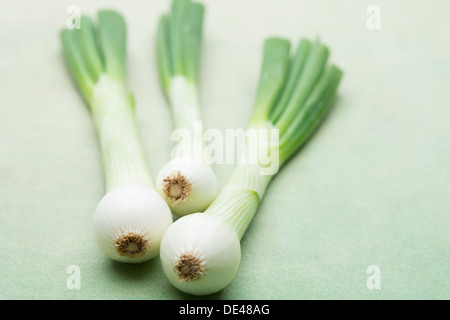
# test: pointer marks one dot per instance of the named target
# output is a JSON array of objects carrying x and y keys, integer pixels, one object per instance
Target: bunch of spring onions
[
  {"x": 132, "y": 217},
  {"x": 200, "y": 253},
  {"x": 187, "y": 182}
]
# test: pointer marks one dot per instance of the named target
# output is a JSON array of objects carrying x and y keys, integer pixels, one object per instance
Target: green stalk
[
  {"x": 275, "y": 67},
  {"x": 293, "y": 102},
  {"x": 76, "y": 64},
  {"x": 295, "y": 70},
  {"x": 164, "y": 64},
  {"x": 178, "y": 45},
  {"x": 312, "y": 114},
  {"x": 304, "y": 84},
  {"x": 112, "y": 37},
  {"x": 96, "y": 61},
  {"x": 88, "y": 45},
  {"x": 179, "y": 40}
]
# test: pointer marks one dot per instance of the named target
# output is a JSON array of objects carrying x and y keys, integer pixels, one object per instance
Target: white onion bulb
[
  {"x": 129, "y": 223},
  {"x": 187, "y": 185},
  {"x": 200, "y": 253}
]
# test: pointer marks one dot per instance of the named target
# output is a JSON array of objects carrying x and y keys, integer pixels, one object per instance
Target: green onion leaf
[
  {"x": 306, "y": 81},
  {"x": 165, "y": 68},
  {"x": 295, "y": 70},
  {"x": 76, "y": 64},
  {"x": 87, "y": 42},
  {"x": 308, "y": 119},
  {"x": 112, "y": 38},
  {"x": 274, "y": 69},
  {"x": 192, "y": 38}
]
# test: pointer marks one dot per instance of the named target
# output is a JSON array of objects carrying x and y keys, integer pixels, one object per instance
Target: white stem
[
  {"x": 185, "y": 106},
  {"x": 184, "y": 101},
  {"x": 114, "y": 118},
  {"x": 238, "y": 201},
  {"x": 187, "y": 181}
]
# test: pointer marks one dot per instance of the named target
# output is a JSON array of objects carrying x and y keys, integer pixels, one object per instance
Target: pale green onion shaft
[
  {"x": 132, "y": 217},
  {"x": 294, "y": 96},
  {"x": 187, "y": 180},
  {"x": 96, "y": 59},
  {"x": 200, "y": 253},
  {"x": 178, "y": 44}
]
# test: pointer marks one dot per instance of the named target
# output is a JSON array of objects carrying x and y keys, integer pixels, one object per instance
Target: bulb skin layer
[
  {"x": 129, "y": 223},
  {"x": 209, "y": 241},
  {"x": 199, "y": 184}
]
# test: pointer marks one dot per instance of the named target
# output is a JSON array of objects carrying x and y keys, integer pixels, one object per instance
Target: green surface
[{"x": 371, "y": 188}]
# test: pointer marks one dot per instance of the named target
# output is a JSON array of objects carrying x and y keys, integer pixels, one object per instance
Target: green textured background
[{"x": 371, "y": 188}]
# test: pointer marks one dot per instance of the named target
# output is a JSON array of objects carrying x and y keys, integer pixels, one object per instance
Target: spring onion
[
  {"x": 187, "y": 181},
  {"x": 201, "y": 252},
  {"x": 132, "y": 217}
]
